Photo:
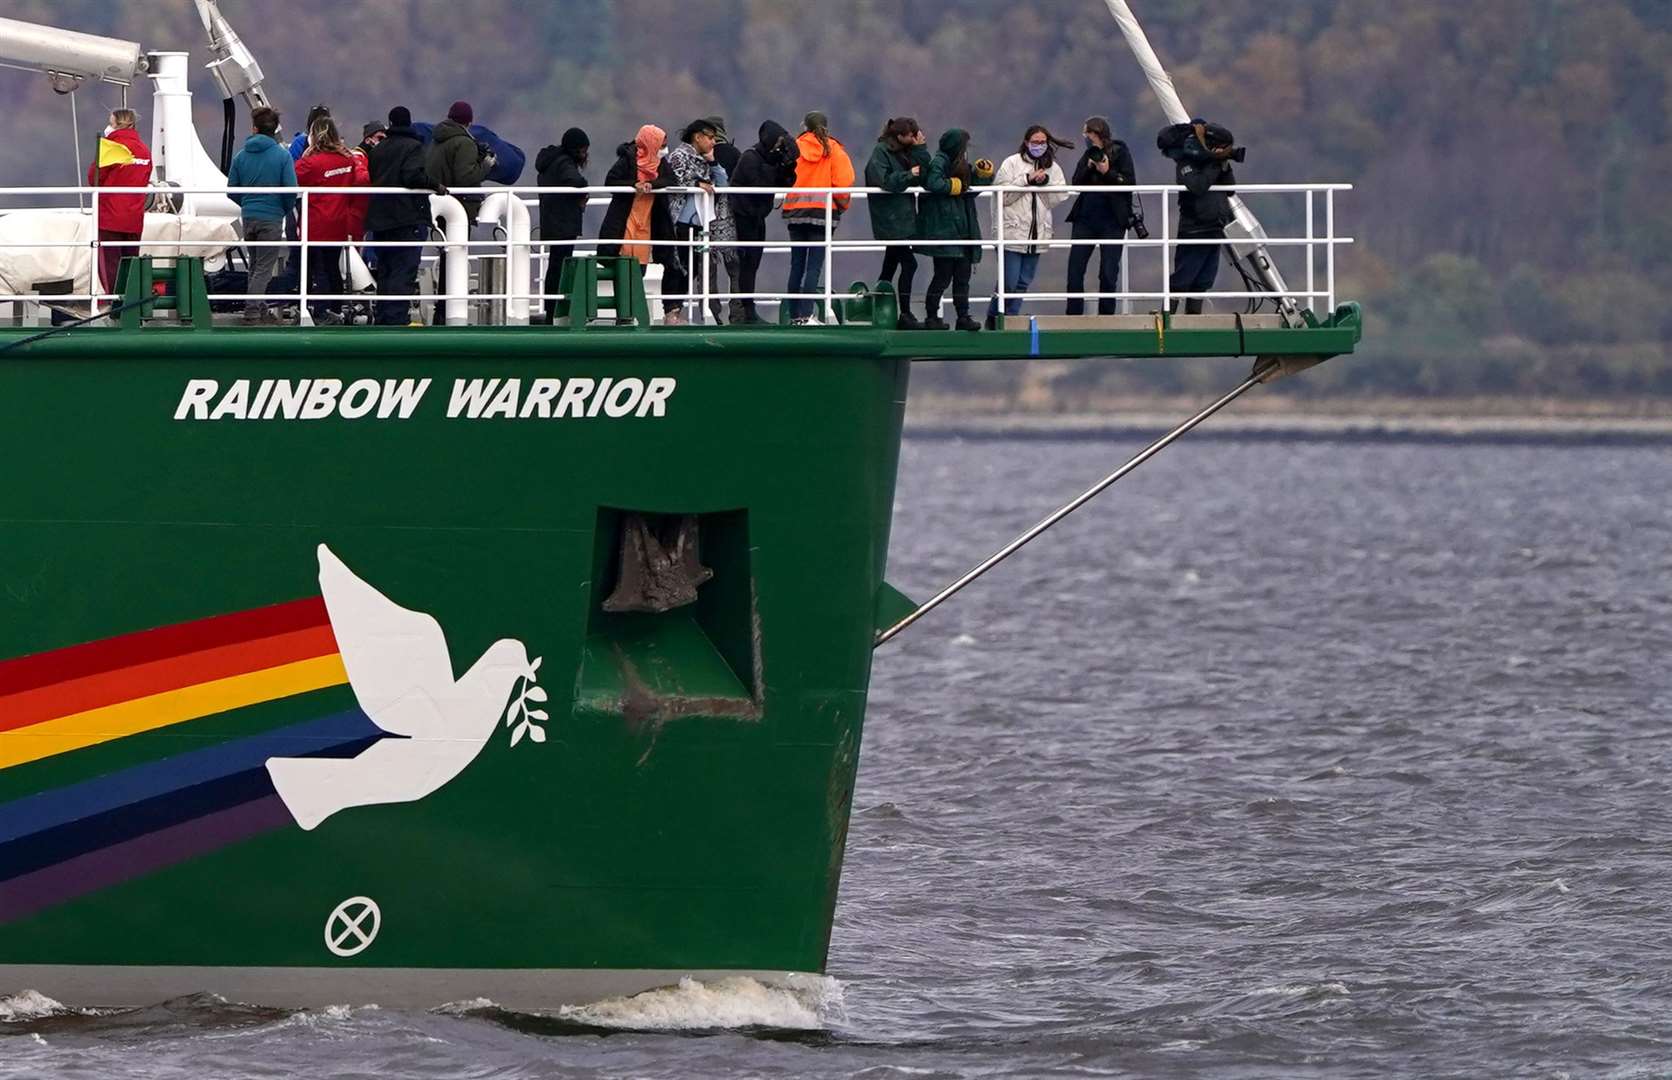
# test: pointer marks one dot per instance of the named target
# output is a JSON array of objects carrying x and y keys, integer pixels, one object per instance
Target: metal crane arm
[
  {"x": 69, "y": 54},
  {"x": 234, "y": 67}
]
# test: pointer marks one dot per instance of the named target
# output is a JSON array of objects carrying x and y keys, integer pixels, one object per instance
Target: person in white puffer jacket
[{"x": 1027, "y": 214}]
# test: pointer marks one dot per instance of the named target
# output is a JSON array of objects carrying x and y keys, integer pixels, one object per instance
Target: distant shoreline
[{"x": 1498, "y": 420}]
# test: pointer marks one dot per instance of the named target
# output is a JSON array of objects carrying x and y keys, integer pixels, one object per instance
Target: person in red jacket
[
  {"x": 124, "y": 161},
  {"x": 332, "y": 220}
]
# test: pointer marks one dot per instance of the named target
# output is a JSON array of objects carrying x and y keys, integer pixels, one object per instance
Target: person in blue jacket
[{"x": 262, "y": 163}]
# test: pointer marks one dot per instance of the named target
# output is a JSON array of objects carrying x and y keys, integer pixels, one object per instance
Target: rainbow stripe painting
[
  {"x": 414, "y": 727},
  {"x": 58, "y": 844}
]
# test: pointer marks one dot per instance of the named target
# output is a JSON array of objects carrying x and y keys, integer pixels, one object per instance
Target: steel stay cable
[
  {"x": 1254, "y": 379},
  {"x": 105, "y": 314}
]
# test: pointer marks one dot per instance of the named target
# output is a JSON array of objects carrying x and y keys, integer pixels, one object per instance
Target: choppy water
[{"x": 1282, "y": 759}]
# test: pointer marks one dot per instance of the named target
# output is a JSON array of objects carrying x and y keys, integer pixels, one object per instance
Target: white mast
[{"x": 1246, "y": 226}]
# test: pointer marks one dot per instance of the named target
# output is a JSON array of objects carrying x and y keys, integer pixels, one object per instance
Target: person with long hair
[
  {"x": 124, "y": 161},
  {"x": 951, "y": 227},
  {"x": 898, "y": 163},
  {"x": 643, "y": 215},
  {"x": 1096, "y": 216},
  {"x": 330, "y": 219},
  {"x": 821, "y": 162},
  {"x": 1027, "y": 213}
]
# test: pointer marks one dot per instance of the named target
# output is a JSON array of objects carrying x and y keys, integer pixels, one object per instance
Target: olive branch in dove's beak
[{"x": 521, "y": 716}]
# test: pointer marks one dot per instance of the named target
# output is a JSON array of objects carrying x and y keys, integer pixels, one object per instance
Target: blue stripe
[{"x": 103, "y": 794}]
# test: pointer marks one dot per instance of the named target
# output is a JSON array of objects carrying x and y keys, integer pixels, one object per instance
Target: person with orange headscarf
[{"x": 643, "y": 215}]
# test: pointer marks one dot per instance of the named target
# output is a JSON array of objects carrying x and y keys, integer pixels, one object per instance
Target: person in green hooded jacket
[
  {"x": 898, "y": 162},
  {"x": 947, "y": 219}
]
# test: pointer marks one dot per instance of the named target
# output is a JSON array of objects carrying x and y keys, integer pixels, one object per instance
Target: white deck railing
[{"x": 1306, "y": 257}]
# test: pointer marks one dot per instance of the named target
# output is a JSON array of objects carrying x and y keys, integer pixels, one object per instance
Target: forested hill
[{"x": 1511, "y": 156}]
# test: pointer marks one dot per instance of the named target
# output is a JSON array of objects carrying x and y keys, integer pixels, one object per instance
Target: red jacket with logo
[
  {"x": 124, "y": 161},
  {"x": 334, "y": 219}
]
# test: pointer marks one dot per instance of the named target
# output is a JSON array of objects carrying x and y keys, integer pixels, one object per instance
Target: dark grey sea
[{"x": 1333, "y": 759}]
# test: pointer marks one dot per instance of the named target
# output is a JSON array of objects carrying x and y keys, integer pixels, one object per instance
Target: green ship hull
[{"x": 311, "y": 689}]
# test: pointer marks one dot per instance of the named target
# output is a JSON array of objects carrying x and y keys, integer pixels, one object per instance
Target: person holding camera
[
  {"x": 1027, "y": 213},
  {"x": 1203, "y": 153},
  {"x": 897, "y": 163},
  {"x": 1107, "y": 162},
  {"x": 457, "y": 160},
  {"x": 948, "y": 221}
]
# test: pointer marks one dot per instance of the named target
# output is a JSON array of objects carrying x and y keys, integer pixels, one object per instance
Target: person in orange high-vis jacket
[
  {"x": 821, "y": 162},
  {"x": 124, "y": 161}
]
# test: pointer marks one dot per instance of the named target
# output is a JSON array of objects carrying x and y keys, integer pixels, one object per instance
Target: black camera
[
  {"x": 1139, "y": 229},
  {"x": 1096, "y": 154},
  {"x": 1199, "y": 144}
]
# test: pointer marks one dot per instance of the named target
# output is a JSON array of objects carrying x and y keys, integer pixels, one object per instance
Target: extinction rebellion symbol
[{"x": 352, "y": 926}]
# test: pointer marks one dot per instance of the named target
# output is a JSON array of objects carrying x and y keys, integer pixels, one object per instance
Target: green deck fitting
[
  {"x": 584, "y": 300},
  {"x": 187, "y": 292}
]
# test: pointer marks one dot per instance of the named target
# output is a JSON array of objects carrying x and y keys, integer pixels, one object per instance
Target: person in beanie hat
[
  {"x": 371, "y": 134},
  {"x": 456, "y": 160},
  {"x": 398, "y": 161},
  {"x": 560, "y": 215}
]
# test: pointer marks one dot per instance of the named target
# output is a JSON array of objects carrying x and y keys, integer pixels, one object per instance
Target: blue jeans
[
  {"x": 1018, "y": 275},
  {"x": 806, "y": 267}
]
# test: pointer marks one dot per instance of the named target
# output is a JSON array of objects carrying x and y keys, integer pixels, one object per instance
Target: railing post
[
  {"x": 302, "y": 316},
  {"x": 1329, "y": 238},
  {"x": 1125, "y": 274},
  {"x": 510, "y": 248},
  {"x": 702, "y": 305},
  {"x": 1166, "y": 254},
  {"x": 829, "y": 254},
  {"x": 94, "y": 286},
  {"x": 998, "y": 220},
  {"x": 1311, "y": 258}
]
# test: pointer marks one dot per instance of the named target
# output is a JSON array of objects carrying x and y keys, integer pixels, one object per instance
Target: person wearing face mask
[
  {"x": 770, "y": 163},
  {"x": 1027, "y": 212},
  {"x": 1106, "y": 163},
  {"x": 897, "y": 163},
  {"x": 124, "y": 161}
]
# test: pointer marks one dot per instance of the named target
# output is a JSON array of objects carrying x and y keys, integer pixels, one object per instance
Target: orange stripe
[
  {"x": 161, "y": 676},
  {"x": 171, "y": 707}
]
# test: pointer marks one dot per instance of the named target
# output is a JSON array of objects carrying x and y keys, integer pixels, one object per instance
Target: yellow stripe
[{"x": 172, "y": 707}]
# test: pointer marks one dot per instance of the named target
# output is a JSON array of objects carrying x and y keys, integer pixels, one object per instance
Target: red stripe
[
  {"x": 146, "y": 646},
  {"x": 160, "y": 676}
]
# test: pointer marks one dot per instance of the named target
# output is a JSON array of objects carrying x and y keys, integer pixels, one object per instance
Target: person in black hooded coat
[
  {"x": 560, "y": 215},
  {"x": 768, "y": 163}
]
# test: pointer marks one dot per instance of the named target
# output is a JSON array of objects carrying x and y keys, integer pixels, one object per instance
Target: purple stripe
[{"x": 31, "y": 893}]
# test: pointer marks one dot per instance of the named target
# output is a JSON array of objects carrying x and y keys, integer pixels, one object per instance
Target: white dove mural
[{"x": 402, "y": 676}]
